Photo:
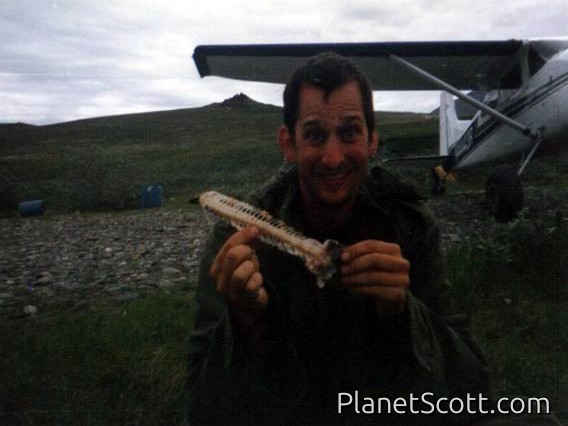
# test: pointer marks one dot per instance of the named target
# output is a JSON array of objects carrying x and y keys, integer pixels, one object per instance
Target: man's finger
[
  {"x": 252, "y": 295},
  {"x": 246, "y": 236},
  {"x": 375, "y": 262},
  {"x": 369, "y": 246},
  {"x": 233, "y": 259},
  {"x": 241, "y": 276},
  {"x": 262, "y": 298}
]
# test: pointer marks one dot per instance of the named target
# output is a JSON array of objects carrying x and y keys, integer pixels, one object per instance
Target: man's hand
[
  {"x": 378, "y": 270},
  {"x": 236, "y": 273}
]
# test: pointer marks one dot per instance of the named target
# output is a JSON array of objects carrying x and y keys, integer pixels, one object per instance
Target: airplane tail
[{"x": 451, "y": 128}]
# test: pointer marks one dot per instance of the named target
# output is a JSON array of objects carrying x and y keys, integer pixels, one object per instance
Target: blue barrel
[
  {"x": 31, "y": 208},
  {"x": 150, "y": 196}
]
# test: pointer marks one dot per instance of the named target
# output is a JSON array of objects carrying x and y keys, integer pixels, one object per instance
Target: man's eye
[
  {"x": 314, "y": 137},
  {"x": 349, "y": 134}
]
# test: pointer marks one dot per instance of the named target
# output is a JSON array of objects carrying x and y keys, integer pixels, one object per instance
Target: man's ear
[
  {"x": 286, "y": 144},
  {"x": 374, "y": 143}
]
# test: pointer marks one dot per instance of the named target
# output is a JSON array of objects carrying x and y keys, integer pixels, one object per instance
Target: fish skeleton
[{"x": 320, "y": 259}]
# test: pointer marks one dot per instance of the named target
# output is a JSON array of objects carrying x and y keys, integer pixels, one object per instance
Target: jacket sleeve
[{"x": 223, "y": 368}]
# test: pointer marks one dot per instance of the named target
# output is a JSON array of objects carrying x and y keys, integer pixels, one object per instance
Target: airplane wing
[{"x": 466, "y": 65}]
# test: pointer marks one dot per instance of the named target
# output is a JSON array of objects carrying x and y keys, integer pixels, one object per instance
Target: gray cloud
[{"x": 69, "y": 59}]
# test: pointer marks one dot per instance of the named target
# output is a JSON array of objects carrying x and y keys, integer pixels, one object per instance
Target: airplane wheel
[{"x": 504, "y": 193}]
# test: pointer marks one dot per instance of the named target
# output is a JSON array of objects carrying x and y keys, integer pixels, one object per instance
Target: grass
[
  {"x": 122, "y": 365},
  {"x": 511, "y": 279},
  {"x": 100, "y": 164}
]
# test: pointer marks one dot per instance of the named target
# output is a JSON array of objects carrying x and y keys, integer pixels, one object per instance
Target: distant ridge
[
  {"x": 157, "y": 126},
  {"x": 18, "y": 125},
  {"x": 239, "y": 101}
]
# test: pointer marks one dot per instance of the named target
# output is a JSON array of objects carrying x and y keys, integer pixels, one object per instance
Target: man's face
[{"x": 331, "y": 144}]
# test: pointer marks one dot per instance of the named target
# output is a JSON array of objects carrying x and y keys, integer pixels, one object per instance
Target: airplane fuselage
[{"x": 541, "y": 104}]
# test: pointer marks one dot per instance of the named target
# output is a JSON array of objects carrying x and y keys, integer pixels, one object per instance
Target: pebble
[
  {"x": 45, "y": 279},
  {"x": 125, "y": 297},
  {"x": 171, "y": 272},
  {"x": 30, "y": 310},
  {"x": 169, "y": 286}
]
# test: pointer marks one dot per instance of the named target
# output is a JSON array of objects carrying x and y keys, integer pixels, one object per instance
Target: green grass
[
  {"x": 122, "y": 365},
  {"x": 511, "y": 279},
  {"x": 100, "y": 164}
]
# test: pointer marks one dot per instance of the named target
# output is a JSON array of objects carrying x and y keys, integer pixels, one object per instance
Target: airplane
[{"x": 525, "y": 104}]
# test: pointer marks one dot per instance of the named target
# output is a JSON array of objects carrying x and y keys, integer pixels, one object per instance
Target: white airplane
[{"x": 525, "y": 106}]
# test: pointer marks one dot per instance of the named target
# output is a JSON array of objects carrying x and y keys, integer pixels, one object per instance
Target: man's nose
[{"x": 333, "y": 155}]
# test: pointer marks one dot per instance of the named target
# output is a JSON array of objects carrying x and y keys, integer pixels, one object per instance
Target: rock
[
  {"x": 171, "y": 272},
  {"x": 180, "y": 280},
  {"x": 30, "y": 310},
  {"x": 145, "y": 287},
  {"x": 141, "y": 277},
  {"x": 167, "y": 285},
  {"x": 46, "y": 278},
  {"x": 116, "y": 288},
  {"x": 125, "y": 297}
]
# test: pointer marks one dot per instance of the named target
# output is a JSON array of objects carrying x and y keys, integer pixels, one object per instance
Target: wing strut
[{"x": 445, "y": 86}]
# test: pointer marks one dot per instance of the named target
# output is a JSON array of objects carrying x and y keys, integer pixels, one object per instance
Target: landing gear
[
  {"x": 504, "y": 193},
  {"x": 439, "y": 178},
  {"x": 438, "y": 186}
]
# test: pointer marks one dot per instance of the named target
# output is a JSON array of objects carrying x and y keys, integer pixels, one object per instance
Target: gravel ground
[{"x": 69, "y": 261}]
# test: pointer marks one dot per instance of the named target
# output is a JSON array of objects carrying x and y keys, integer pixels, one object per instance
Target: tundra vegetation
[{"x": 125, "y": 364}]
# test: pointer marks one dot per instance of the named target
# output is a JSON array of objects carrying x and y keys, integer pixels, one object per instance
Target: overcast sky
[{"x": 63, "y": 60}]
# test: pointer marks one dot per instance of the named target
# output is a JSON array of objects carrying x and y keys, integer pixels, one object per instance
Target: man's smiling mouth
[
  {"x": 334, "y": 176},
  {"x": 334, "y": 181}
]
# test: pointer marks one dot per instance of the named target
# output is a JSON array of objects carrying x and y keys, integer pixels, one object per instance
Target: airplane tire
[{"x": 504, "y": 193}]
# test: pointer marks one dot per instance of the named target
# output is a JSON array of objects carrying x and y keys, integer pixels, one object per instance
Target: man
[{"x": 270, "y": 347}]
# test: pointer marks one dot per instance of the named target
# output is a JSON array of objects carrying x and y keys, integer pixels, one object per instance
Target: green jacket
[{"x": 319, "y": 343}]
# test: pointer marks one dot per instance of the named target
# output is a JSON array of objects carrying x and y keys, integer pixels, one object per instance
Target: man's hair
[{"x": 327, "y": 71}]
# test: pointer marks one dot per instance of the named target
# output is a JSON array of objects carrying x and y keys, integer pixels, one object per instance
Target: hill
[{"x": 100, "y": 163}]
